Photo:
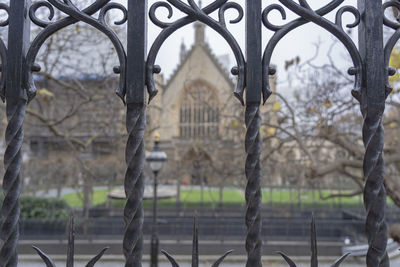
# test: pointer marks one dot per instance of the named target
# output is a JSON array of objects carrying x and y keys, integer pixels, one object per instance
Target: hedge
[{"x": 40, "y": 207}]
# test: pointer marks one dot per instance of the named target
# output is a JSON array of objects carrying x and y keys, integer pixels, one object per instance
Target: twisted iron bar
[
  {"x": 314, "y": 250},
  {"x": 195, "y": 252},
  {"x": 253, "y": 145},
  {"x": 75, "y": 15},
  {"x": 195, "y": 13},
  {"x": 70, "y": 252},
  {"x": 374, "y": 165},
  {"x": 9, "y": 232},
  {"x": 134, "y": 185},
  {"x": 374, "y": 189}
]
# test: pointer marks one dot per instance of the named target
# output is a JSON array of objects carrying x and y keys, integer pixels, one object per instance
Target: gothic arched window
[{"x": 199, "y": 112}]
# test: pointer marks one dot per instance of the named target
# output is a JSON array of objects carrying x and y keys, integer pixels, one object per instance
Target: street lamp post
[{"x": 156, "y": 160}]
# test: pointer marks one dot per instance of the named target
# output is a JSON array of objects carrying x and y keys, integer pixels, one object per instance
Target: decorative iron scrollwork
[
  {"x": 70, "y": 252},
  {"x": 314, "y": 250},
  {"x": 195, "y": 251},
  {"x": 195, "y": 13},
  {"x": 307, "y": 14},
  {"x": 3, "y": 53},
  {"x": 74, "y": 15}
]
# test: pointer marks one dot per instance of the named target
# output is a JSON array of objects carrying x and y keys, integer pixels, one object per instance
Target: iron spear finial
[
  {"x": 195, "y": 251},
  {"x": 314, "y": 257},
  {"x": 70, "y": 251}
]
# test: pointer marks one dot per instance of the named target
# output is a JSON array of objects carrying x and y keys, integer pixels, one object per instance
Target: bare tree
[
  {"x": 322, "y": 126},
  {"x": 74, "y": 128}
]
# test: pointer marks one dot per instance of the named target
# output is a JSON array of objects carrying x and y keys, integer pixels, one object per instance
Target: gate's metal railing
[{"x": 136, "y": 69}]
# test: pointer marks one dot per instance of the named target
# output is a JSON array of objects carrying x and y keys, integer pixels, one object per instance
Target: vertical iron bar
[
  {"x": 372, "y": 108},
  {"x": 136, "y": 126},
  {"x": 134, "y": 185},
  {"x": 195, "y": 246},
  {"x": 71, "y": 242},
  {"x": 154, "y": 235},
  {"x": 136, "y": 51},
  {"x": 16, "y": 99},
  {"x": 253, "y": 138}
]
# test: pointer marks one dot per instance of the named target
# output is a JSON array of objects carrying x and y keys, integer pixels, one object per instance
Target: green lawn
[
  {"x": 211, "y": 196},
  {"x": 287, "y": 196},
  {"x": 307, "y": 198},
  {"x": 75, "y": 200},
  {"x": 277, "y": 196},
  {"x": 189, "y": 197}
]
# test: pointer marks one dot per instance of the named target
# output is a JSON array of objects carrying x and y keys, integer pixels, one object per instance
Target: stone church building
[{"x": 198, "y": 119}]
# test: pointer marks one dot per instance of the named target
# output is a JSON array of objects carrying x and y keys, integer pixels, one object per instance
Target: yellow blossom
[{"x": 277, "y": 106}]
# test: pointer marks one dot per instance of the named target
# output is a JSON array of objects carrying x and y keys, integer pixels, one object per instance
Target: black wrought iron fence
[
  {"x": 136, "y": 68},
  {"x": 211, "y": 229}
]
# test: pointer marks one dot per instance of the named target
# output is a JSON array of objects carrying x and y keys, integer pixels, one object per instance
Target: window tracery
[{"x": 199, "y": 113}]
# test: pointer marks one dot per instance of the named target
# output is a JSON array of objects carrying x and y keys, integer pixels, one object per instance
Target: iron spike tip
[
  {"x": 340, "y": 260},
  {"x": 220, "y": 259},
  {"x": 287, "y": 259},
  {"x": 195, "y": 254},
  {"x": 45, "y": 258},
  {"x": 93, "y": 261},
  {"x": 170, "y": 258}
]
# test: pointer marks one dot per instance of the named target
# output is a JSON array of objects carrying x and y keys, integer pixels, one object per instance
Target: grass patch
[
  {"x": 212, "y": 196},
  {"x": 75, "y": 200},
  {"x": 188, "y": 197},
  {"x": 305, "y": 196},
  {"x": 192, "y": 198},
  {"x": 308, "y": 198}
]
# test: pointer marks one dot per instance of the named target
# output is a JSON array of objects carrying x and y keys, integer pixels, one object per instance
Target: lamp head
[
  {"x": 156, "y": 158},
  {"x": 157, "y": 137}
]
